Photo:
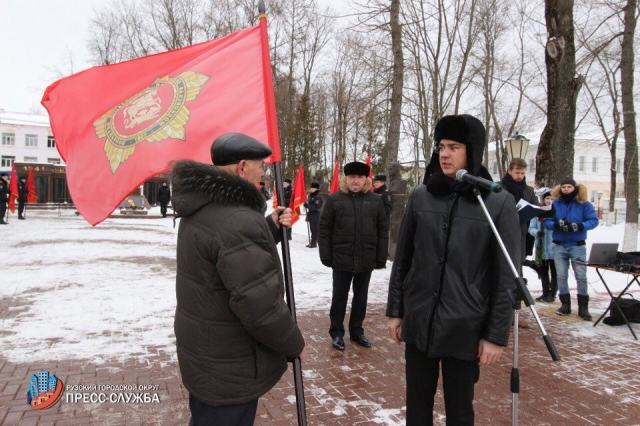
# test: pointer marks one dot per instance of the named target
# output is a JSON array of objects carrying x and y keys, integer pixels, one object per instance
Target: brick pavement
[{"x": 596, "y": 382}]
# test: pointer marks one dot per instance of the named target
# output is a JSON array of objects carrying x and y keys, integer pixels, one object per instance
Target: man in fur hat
[
  {"x": 448, "y": 290},
  {"x": 313, "y": 206},
  {"x": 574, "y": 216},
  {"x": 233, "y": 329},
  {"x": 353, "y": 242}
]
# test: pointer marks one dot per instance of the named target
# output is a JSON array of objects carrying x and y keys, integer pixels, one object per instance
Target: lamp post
[
  {"x": 516, "y": 146},
  {"x": 313, "y": 168}
]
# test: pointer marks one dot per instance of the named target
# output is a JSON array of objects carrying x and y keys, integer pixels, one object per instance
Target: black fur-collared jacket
[{"x": 233, "y": 328}]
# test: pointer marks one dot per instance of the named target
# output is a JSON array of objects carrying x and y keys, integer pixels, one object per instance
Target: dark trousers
[
  {"x": 222, "y": 415},
  {"x": 20, "y": 208},
  {"x": 549, "y": 285},
  {"x": 314, "y": 222},
  {"x": 341, "y": 285},
  {"x": 163, "y": 207},
  {"x": 458, "y": 380},
  {"x": 3, "y": 210}
]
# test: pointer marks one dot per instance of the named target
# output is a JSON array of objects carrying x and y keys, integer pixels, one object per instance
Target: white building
[{"x": 26, "y": 138}]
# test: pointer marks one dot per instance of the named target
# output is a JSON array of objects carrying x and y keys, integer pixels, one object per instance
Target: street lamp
[
  {"x": 313, "y": 168},
  {"x": 516, "y": 146}
]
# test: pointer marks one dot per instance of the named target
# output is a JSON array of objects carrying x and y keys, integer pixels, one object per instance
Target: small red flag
[
  {"x": 298, "y": 195},
  {"x": 13, "y": 189},
  {"x": 335, "y": 180},
  {"x": 118, "y": 125},
  {"x": 368, "y": 163},
  {"x": 32, "y": 197}
]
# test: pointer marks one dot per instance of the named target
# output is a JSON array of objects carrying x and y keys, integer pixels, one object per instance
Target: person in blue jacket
[
  {"x": 543, "y": 253},
  {"x": 575, "y": 216}
]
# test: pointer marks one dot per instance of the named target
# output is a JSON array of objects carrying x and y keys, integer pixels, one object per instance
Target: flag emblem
[{"x": 157, "y": 113}]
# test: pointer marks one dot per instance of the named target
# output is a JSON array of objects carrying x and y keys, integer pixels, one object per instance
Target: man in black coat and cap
[
  {"x": 353, "y": 242},
  {"x": 234, "y": 331},
  {"x": 380, "y": 187},
  {"x": 448, "y": 290},
  {"x": 164, "y": 196},
  {"x": 4, "y": 192},
  {"x": 313, "y": 206}
]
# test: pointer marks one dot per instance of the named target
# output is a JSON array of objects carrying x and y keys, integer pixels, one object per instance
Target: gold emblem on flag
[{"x": 157, "y": 113}]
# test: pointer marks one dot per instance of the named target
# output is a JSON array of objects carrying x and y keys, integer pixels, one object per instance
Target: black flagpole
[{"x": 288, "y": 277}]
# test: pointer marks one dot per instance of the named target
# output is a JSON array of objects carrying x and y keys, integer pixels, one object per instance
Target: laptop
[{"x": 602, "y": 253}]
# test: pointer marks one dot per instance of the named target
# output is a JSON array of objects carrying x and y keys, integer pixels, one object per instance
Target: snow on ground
[{"x": 107, "y": 292}]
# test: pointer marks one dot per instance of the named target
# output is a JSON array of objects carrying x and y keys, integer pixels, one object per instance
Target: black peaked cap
[
  {"x": 381, "y": 178},
  {"x": 356, "y": 168},
  {"x": 231, "y": 148}
]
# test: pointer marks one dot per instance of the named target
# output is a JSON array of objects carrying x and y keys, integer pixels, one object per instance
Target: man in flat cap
[
  {"x": 313, "y": 206},
  {"x": 233, "y": 329},
  {"x": 4, "y": 192},
  {"x": 353, "y": 241},
  {"x": 380, "y": 187}
]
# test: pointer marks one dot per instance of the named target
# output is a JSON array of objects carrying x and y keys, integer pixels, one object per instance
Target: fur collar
[
  {"x": 581, "y": 196},
  {"x": 345, "y": 189},
  {"x": 197, "y": 184}
]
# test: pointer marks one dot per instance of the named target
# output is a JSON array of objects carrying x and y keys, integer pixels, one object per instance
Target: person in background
[
  {"x": 448, "y": 291},
  {"x": 264, "y": 190},
  {"x": 164, "y": 196},
  {"x": 574, "y": 216},
  {"x": 4, "y": 193},
  {"x": 313, "y": 206},
  {"x": 380, "y": 187},
  {"x": 234, "y": 331},
  {"x": 354, "y": 240},
  {"x": 543, "y": 253},
  {"x": 23, "y": 193}
]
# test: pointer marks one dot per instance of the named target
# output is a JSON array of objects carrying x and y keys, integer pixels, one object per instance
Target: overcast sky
[{"x": 38, "y": 37}]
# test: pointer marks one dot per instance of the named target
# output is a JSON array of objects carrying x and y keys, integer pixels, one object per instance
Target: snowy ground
[{"x": 107, "y": 292}]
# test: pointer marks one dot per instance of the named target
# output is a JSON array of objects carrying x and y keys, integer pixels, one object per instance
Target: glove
[
  {"x": 381, "y": 265},
  {"x": 575, "y": 227},
  {"x": 541, "y": 233},
  {"x": 561, "y": 225}
]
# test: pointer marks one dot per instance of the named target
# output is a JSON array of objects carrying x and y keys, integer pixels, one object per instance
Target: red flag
[
  {"x": 32, "y": 197},
  {"x": 275, "y": 198},
  {"x": 13, "y": 189},
  {"x": 298, "y": 195},
  {"x": 368, "y": 163},
  {"x": 118, "y": 125},
  {"x": 335, "y": 180}
]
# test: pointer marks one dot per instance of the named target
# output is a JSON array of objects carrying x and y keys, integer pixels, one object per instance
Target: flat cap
[
  {"x": 231, "y": 148},
  {"x": 315, "y": 185},
  {"x": 381, "y": 178},
  {"x": 356, "y": 168},
  {"x": 289, "y": 181}
]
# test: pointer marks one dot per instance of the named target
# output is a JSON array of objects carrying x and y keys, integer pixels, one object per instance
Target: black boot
[
  {"x": 565, "y": 309},
  {"x": 583, "y": 307}
]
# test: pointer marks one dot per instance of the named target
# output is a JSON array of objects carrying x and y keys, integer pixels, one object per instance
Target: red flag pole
[
  {"x": 368, "y": 162},
  {"x": 274, "y": 141}
]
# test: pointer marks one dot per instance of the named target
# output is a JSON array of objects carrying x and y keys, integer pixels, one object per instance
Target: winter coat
[
  {"x": 164, "y": 194},
  {"x": 529, "y": 196},
  {"x": 233, "y": 328},
  {"x": 387, "y": 200},
  {"x": 578, "y": 210},
  {"x": 353, "y": 230},
  {"x": 547, "y": 240},
  {"x": 313, "y": 206},
  {"x": 4, "y": 190},
  {"x": 287, "y": 195},
  {"x": 23, "y": 192}
]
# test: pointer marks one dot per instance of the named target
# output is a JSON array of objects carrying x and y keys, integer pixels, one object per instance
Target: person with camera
[{"x": 543, "y": 253}]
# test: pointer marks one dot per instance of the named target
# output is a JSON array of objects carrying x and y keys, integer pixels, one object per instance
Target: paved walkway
[{"x": 597, "y": 382}]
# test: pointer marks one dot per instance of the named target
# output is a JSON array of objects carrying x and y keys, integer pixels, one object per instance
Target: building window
[
  {"x": 31, "y": 140},
  {"x": 581, "y": 163},
  {"x": 594, "y": 165},
  {"x": 30, "y": 159},
  {"x": 6, "y": 161},
  {"x": 9, "y": 139},
  {"x": 53, "y": 160},
  {"x": 51, "y": 142}
]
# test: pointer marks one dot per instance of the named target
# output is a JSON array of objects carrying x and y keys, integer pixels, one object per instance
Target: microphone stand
[{"x": 517, "y": 295}]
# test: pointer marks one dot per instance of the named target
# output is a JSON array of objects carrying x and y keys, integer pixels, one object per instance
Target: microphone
[{"x": 463, "y": 176}]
